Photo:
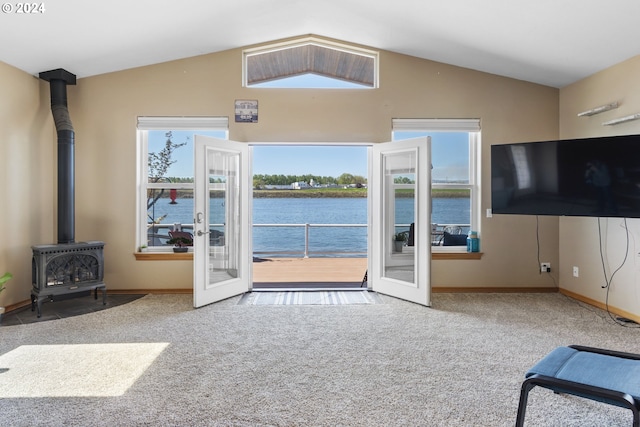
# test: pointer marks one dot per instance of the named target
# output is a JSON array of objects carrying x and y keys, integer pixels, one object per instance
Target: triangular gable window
[{"x": 310, "y": 62}]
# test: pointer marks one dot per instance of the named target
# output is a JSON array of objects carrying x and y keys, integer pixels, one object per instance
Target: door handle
[{"x": 202, "y": 233}]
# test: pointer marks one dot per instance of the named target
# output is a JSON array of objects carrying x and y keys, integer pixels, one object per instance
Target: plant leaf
[{"x": 4, "y": 279}]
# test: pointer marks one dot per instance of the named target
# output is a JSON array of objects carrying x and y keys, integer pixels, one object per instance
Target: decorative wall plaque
[{"x": 246, "y": 111}]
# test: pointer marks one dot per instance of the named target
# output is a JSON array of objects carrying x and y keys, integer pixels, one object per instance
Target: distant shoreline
[
  {"x": 345, "y": 193},
  {"x": 329, "y": 193},
  {"x": 311, "y": 193}
]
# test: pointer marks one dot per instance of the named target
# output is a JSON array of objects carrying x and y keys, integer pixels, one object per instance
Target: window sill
[
  {"x": 438, "y": 256},
  {"x": 188, "y": 256},
  {"x": 163, "y": 256}
]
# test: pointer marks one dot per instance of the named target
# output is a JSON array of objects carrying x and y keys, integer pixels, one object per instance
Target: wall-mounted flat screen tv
[{"x": 579, "y": 177}]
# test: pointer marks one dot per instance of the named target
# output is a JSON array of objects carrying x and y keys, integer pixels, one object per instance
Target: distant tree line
[
  {"x": 403, "y": 180},
  {"x": 179, "y": 179},
  {"x": 262, "y": 180}
]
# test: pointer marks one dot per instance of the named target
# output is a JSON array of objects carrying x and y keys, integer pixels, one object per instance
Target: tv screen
[{"x": 578, "y": 177}]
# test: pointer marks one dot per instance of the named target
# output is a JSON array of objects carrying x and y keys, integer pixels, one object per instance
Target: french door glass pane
[
  {"x": 450, "y": 158},
  {"x": 399, "y": 200},
  {"x": 224, "y": 215}
]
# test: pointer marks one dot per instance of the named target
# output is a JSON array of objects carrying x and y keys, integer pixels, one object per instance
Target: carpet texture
[{"x": 459, "y": 363}]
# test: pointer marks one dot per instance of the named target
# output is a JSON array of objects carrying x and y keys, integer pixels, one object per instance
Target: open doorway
[
  {"x": 310, "y": 216},
  {"x": 223, "y": 177}
]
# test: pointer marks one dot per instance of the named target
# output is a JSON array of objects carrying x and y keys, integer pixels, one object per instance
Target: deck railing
[
  {"x": 158, "y": 235},
  {"x": 306, "y": 252}
]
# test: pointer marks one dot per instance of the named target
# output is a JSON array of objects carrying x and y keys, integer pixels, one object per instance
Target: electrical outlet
[
  {"x": 545, "y": 267},
  {"x": 576, "y": 271}
]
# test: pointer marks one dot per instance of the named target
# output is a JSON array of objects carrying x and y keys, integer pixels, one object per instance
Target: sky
[
  {"x": 449, "y": 154},
  {"x": 308, "y": 81},
  {"x": 274, "y": 159},
  {"x": 316, "y": 160}
]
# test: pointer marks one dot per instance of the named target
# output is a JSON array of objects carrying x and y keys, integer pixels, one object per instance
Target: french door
[
  {"x": 222, "y": 220},
  {"x": 400, "y": 191}
]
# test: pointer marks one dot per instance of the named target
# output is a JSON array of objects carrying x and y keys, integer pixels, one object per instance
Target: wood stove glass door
[{"x": 222, "y": 249}]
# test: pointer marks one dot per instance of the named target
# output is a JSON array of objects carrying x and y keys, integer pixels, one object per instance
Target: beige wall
[
  {"x": 27, "y": 216},
  {"x": 579, "y": 237},
  {"x": 104, "y": 110}
]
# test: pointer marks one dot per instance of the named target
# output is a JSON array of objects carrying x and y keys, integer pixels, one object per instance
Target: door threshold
[
  {"x": 294, "y": 289},
  {"x": 301, "y": 285}
]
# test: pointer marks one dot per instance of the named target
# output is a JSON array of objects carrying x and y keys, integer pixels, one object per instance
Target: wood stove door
[{"x": 222, "y": 218}]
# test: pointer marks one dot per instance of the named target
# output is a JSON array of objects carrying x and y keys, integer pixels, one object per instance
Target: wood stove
[
  {"x": 63, "y": 270},
  {"x": 68, "y": 268}
]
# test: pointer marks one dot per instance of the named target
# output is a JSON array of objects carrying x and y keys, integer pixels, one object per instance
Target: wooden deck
[{"x": 308, "y": 272}]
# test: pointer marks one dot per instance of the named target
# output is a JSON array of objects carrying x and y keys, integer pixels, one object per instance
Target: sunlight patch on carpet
[
  {"x": 79, "y": 370},
  {"x": 310, "y": 298}
]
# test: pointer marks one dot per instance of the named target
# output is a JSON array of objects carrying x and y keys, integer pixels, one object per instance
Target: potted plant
[
  {"x": 398, "y": 241},
  {"x": 180, "y": 244},
  {"x": 4, "y": 279}
]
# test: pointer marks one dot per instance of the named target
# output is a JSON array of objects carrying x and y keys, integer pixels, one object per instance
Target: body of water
[{"x": 314, "y": 211}]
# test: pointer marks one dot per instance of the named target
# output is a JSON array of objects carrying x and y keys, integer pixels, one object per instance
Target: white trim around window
[
  {"x": 146, "y": 124},
  {"x": 473, "y": 128},
  {"x": 436, "y": 125},
  {"x": 183, "y": 123}
]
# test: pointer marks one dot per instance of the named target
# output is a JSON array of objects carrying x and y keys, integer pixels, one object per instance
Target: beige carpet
[
  {"x": 75, "y": 370},
  {"x": 459, "y": 363}
]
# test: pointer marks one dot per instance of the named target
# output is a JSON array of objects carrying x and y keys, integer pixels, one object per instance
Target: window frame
[
  {"x": 145, "y": 124},
  {"x": 313, "y": 41},
  {"x": 470, "y": 126}
]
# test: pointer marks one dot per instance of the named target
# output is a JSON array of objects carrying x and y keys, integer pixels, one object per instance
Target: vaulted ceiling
[{"x": 551, "y": 42}]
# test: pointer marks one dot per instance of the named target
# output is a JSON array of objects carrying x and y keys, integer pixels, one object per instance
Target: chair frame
[{"x": 613, "y": 397}]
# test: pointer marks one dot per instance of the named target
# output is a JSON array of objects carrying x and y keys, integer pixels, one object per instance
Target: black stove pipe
[{"x": 58, "y": 81}]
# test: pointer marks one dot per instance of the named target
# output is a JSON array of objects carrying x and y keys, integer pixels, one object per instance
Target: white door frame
[
  {"x": 424, "y": 273},
  {"x": 398, "y": 274},
  {"x": 222, "y": 271}
]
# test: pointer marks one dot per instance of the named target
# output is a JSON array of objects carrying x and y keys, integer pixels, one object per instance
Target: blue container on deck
[{"x": 473, "y": 242}]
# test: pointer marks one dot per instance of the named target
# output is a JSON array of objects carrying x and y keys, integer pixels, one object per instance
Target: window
[
  {"x": 455, "y": 171},
  {"x": 310, "y": 63},
  {"x": 165, "y": 174}
]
